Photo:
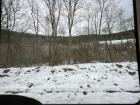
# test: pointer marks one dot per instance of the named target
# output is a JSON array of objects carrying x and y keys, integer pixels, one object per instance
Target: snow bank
[
  {"x": 118, "y": 41},
  {"x": 79, "y": 83}
]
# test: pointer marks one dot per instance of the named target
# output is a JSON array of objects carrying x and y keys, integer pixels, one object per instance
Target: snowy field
[
  {"x": 118, "y": 41},
  {"x": 79, "y": 83}
]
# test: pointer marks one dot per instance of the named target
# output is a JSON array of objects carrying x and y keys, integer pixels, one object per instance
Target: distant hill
[
  {"x": 28, "y": 36},
  {"x": 115, "y": 36},
  {"x": 23, "y": 49}
]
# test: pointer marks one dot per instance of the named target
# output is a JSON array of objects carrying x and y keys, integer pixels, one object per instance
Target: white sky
[
  {"x": 128, "y": 6},
  {"x": 125, "y": 4}
]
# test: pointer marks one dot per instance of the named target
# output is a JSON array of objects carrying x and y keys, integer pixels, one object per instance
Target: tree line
[{"x": 65, "y": 18}]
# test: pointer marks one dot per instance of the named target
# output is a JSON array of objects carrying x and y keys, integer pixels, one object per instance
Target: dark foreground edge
[{"x": 17, "y": 100}]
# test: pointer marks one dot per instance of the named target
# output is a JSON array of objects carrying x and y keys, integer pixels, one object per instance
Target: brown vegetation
[{"x": 83, "y": 50}]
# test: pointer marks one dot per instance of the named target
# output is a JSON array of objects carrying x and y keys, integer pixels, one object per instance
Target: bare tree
[
  {"x": 71, "y": 7},
  {"x": 97, "y": 21},
  {"x": 18, "y": 47},
  {"x": 126, "y": 24},
  {"x": 87, "y": 17},
  {"x": 94, "y": 21},
  {"x": 111, "y": 15},
  {"x": 54, "y": 8},
  {"x": 101, "y": 4},
  {"x": 34, "y": 8},
  {"x": 9, "y": 16}
]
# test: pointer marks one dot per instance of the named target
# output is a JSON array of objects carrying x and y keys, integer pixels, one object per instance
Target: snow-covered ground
[
  {"x": 79, "y": 83},
  {"x": 118, "y": 41}
]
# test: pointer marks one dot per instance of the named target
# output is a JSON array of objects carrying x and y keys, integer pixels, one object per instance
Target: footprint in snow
[
  {"x": 30, "y": 85},
  {"x": 37, "y": 70},
  {"x": 52, "y": 71},
  {"x": 115, "y": 84},
  {"x": 92, "y": 91},
  {"x": 48, "y": 78},
  {"x": 6, "y": 71},
  {"x": 41, "y": 93},
  {"x": 4, "y": 76},
  {"x": 67, "y": 69},
  {"x": 75, "y": 93},
  {"x": 132, "y": 73},
  {"x": 88, "y": 85},
  {"x": 98, "y": 80},
  {"x": 81, "y": 86},
  {"x": 28, "y": 71},
  {"x": 72, "y": 73},
  {"x": 120, "y": 72},
  {"x": 128, "y": 67},
  {"x": 84, "y": 92},
  {"x": 115, "y": 70},
  {"x": 68, "y": 96},
  {"x": 119, "y": 66},
  {"x": 87, "y": 76}
]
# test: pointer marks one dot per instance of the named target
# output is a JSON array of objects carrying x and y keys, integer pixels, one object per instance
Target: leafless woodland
[{"x": 63, "y": 32}]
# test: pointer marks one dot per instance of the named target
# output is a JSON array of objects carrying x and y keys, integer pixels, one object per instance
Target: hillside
[
  {"x": 82, "y": 38},
  {"x": 23, "y": 49}
]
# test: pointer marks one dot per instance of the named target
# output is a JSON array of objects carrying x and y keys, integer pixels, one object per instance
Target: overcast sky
[
  {"x": 128, "y": 6},
  {"x": 125, "y": 4}
]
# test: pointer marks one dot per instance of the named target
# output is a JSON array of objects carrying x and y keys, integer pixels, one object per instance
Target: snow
[
  {"x": 95, "y": 83},
  {"x": 118, "y": 41}
]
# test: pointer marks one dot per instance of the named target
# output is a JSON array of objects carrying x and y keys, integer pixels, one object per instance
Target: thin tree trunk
[
  {"x": 69, "y": 47},
  {"x": 8, "y": 49}
]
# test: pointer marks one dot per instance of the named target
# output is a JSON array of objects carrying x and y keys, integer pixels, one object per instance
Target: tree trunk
[
  {"x": 69, "y": 48},
  {"x": 8, "y": 49}
]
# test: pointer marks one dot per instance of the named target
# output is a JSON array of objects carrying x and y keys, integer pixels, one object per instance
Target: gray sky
[
  {"x": 125, "y": 4},
  {"x": 128, "y": 6}
]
